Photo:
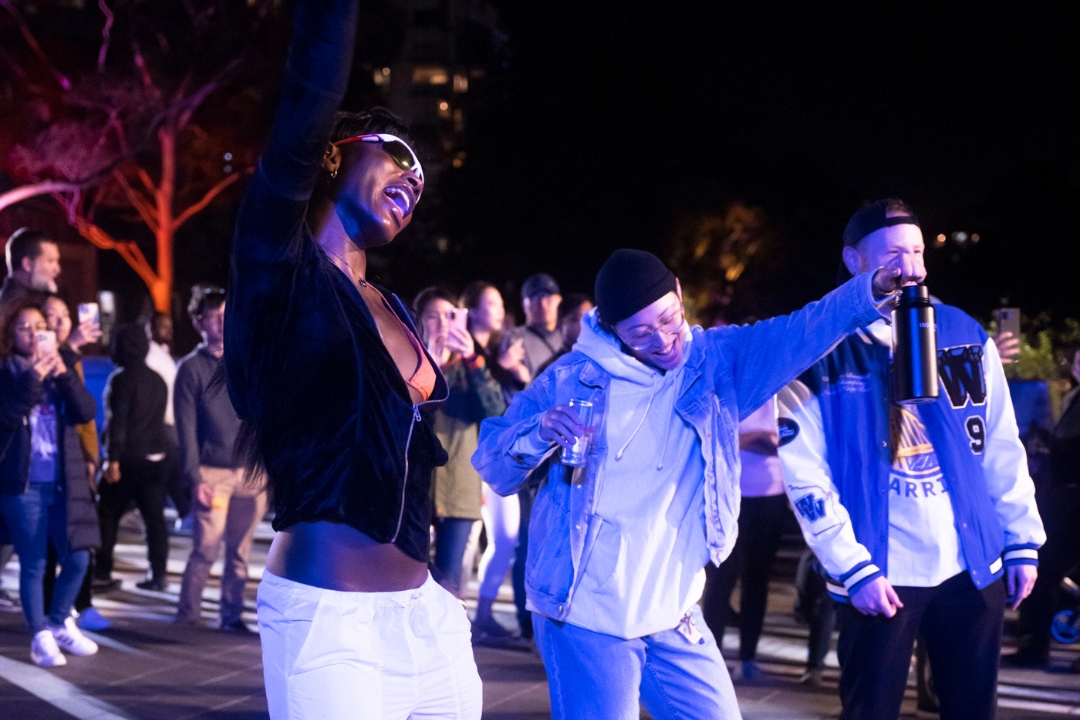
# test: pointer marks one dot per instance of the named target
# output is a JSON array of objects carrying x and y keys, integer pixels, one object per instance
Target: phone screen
[{"x": 89, "y": 311}]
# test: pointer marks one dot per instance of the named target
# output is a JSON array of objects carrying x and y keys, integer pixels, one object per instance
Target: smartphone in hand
[
  {"x": 1008, "y": 320},
  {"x": 459, "y": 317},
  {"x": 46, "y": 342},
  {"x": 89, "y": 311}
]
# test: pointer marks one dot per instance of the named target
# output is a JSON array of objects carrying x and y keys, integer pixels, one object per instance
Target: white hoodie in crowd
[{"x": 647, "y": 567}]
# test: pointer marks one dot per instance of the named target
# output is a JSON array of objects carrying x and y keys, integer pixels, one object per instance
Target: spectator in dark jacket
[
  {"x": 134, "y": 439},
  {"x": 43, "y": 492},
  {"x": 58, "y": 316}
]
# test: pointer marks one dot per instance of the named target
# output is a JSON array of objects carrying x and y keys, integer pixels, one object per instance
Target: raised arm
[
  {"x": 769, "y": 354},
  {"x": 316, "y": 76}
]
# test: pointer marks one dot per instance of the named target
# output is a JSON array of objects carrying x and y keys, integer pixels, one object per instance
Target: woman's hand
[
  {"x": 561, "y": 425},
  {"x": 58, "y": 368},
  {"x": 513, "y": 355},
  {"x": 43, "y": 366},
  {"x": 86, "y": 333},
  {"x": 460, "y": 342}
]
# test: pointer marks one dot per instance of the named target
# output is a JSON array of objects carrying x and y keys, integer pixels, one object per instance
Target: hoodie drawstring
[
  {"x": 648, "y": 406},
  {"x": 657, "y": 382}
]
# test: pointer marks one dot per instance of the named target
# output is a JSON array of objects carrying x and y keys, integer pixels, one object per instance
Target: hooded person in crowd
[{"x": 135, "y": 446}]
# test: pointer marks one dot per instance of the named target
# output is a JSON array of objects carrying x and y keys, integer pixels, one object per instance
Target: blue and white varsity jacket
[{"x": 840, "y": 458}]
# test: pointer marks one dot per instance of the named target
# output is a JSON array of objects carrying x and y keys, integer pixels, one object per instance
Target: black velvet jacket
[{"x": 306, "y": 368}]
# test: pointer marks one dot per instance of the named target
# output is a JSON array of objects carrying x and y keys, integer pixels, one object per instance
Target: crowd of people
[{"x": 385, "y": 436}]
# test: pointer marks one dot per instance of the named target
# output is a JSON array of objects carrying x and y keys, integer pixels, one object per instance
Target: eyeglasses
[
  {"x": 398, "y": 150},
  {"x": 31, "y": 327},
  {"x": 644, "y": 339}
]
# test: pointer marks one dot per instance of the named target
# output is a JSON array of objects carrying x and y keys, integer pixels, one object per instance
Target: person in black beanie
[
  {"x": 135, "y": 446},
  {"x": 618, "y": 546}
]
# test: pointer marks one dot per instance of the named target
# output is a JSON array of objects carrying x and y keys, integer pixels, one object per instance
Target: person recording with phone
[
  {"x": 474, "y": 395},
  {"x": 44, "y": 496},
  {"x": 58, "y": 317},
  {"x": 326, "y": 372},
  {"x": 621, "y": 530}
]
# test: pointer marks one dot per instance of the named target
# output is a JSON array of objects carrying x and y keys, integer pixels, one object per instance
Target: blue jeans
[
  {"x": 33, "y": 519},
  {"x": 451, "y": 539},
  {"x": 603, "y": 677}
]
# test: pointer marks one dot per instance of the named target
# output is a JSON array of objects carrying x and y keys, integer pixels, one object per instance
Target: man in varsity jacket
[{"x": 922, "y": 515}]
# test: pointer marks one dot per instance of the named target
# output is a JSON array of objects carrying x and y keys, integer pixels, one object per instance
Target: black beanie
[{"x": 629, "y": 281}]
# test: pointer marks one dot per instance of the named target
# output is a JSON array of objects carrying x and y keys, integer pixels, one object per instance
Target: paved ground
[{"x": 150, "y": 669}]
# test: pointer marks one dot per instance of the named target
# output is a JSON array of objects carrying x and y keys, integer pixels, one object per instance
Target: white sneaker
[
  {"x": 70, "y": 638},
  {"x": 44, "y": 650}
]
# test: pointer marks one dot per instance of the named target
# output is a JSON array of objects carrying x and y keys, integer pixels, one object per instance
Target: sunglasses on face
[{"x": 395, "y": 147}]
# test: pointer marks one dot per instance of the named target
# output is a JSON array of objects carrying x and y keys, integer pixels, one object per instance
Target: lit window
[
  {"x": 461, "y": 83},
  {"x": 429, "y": 75}
]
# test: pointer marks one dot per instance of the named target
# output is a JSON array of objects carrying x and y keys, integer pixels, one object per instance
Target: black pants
[
  {"x": 144, "y": 482},
  {"x": 1056, "y": 558},
  {"x": 961, "y": 627},
  {"x": 762, "y": 520},
  {"x": 816, "y": 608},
  {"x": 82, "y": 600}
]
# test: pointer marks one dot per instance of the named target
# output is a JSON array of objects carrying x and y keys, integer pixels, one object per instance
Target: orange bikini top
[{"x": 423, "y": 378}]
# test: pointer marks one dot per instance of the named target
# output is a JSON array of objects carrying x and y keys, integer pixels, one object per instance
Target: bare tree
[{"x": 120, "y": 137}]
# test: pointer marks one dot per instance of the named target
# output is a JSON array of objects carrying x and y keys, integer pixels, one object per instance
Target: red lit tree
[{"x": 123, "y": 138}]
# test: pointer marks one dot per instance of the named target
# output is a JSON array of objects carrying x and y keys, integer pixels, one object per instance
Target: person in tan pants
[{"x": 226, "y": 505}]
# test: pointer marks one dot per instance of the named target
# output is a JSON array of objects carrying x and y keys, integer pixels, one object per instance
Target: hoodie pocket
[{"x": 602, "y": 564}]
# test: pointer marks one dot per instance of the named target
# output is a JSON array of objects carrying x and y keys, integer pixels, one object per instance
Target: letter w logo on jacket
[
  {"x": 810, "y": 507},
  {"x": 961, "y": 371}
]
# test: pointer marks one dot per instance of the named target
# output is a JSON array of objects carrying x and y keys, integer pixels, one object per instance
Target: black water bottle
[{"x": 914, "y": 363}]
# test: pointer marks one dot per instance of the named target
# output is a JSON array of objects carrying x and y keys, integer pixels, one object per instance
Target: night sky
[{"x": 622, "y": 116}]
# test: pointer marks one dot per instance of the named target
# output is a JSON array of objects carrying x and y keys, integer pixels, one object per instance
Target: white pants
[
  {"x": 392, "y": 655},
  {"x": 502, "y": 519}
]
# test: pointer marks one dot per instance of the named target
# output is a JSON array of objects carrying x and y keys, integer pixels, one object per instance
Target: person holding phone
[
  {"x": 505, "y": 359},
  {"x": 923, "y": 515},
  {"x": 58, "y": 317},
  {"x": 474, "y": 395},
  {"x": 326, "y": 371},
  {"x": 44, "y": 496}
]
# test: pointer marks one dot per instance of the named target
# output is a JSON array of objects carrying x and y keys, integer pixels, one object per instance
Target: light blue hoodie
[{"x": 646, "y": 566}]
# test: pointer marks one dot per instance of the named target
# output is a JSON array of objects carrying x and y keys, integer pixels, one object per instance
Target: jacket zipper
[{"x": 405, "y": 479}]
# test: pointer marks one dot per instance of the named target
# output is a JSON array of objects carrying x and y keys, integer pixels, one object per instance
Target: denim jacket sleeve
[
  {"x": 766, "y": 356},
  {"x": 509, "y": 449}
]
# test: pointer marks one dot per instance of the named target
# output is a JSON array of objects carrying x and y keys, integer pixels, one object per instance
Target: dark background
[{"x": 602, "y": 125}]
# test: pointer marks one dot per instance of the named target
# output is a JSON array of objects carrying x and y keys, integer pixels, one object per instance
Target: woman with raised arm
[{"x": 329, "y": 377}]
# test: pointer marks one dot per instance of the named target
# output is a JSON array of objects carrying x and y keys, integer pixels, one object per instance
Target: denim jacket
[{"x": 730, "y": 372}]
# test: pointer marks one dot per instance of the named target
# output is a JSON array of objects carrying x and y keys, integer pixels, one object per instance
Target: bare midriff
[{"x": 335, "y": 556}]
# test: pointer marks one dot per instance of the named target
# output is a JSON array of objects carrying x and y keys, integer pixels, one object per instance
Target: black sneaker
[
  {"x": 1026, "y": 659},
  {"x": 153, "y": 584},
  {"x": 104, "y": 585}
]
